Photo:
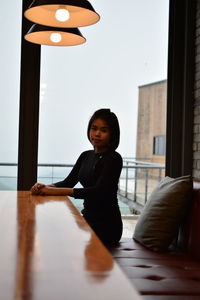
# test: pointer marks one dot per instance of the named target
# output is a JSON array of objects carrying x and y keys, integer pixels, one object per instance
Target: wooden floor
[{"x": 129, "y": 226}]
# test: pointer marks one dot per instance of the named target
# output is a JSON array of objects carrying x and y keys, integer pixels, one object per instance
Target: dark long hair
[{"x": 111, "y": 119}]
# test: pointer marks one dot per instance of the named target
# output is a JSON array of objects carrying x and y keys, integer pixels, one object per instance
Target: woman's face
[{"x": 100, "y": 135}]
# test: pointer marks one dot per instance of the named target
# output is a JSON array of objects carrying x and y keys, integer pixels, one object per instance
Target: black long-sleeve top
[{"x": 99, "y": 176}]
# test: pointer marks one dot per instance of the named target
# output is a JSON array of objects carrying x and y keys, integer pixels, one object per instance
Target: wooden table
[{"x": 48, "y": 252}]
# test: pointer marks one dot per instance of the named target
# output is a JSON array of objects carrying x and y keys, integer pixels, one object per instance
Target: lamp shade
[
  {"x": 62, "y": 13},
  {"x": 52, "y": 36}
]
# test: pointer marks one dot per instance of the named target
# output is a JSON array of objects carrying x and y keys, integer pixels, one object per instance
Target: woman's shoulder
[
  {"x": 86, "y": 153},
  {"x": 114, "y": 155}
]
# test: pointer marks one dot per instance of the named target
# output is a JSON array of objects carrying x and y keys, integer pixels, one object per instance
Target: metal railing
[{"x": 137, "y": 180}]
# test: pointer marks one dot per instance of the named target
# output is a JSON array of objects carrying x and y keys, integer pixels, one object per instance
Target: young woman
[{"x": 98, "y": 172}]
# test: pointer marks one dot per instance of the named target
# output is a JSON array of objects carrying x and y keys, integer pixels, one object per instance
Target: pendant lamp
[
  {"x": 52, "y": 36},
  {"x": 62, "y": 13}
]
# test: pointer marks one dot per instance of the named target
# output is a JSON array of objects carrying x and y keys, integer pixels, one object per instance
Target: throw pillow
[{"x": 160, "y": 219}]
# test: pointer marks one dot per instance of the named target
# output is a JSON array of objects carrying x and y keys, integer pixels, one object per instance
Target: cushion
[{"x": 161, "y": 217}]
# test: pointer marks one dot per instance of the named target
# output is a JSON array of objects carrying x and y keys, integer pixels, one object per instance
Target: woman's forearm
[{"x": 51, "y": 190}]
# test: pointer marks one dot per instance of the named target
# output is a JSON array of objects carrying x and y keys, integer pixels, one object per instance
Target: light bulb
[
  {"x": 55, "y": 37},
  {"x": 62, "y": 14}
]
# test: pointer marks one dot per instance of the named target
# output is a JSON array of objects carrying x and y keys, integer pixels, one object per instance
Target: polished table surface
[{"x": 48, "y": 252}]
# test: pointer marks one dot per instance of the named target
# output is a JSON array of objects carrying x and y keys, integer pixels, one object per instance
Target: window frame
[
  {"x": 180, "y": 87},
  {"x": 29, "y": 108}
]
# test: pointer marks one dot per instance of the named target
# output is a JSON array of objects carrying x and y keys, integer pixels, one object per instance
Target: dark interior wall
[{"x": 196, "y": 135}]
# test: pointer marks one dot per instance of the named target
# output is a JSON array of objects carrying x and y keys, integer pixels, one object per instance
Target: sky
[{"x": 127, "y": 48}]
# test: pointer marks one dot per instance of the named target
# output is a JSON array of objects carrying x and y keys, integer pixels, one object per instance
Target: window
[
  {"x": 9, "y": 100},
  {"x": 105, "y": 72},
  {"x": 159, "y": 143}
]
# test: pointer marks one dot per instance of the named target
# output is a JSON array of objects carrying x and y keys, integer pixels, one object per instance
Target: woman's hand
[
  {"x": 37, "y": 188},
  {"x": 42, "y": 189},
  {"x": 47, "y": 190}
]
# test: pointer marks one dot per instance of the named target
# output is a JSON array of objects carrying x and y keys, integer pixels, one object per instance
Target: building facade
[{"x": 151, "y": 123}]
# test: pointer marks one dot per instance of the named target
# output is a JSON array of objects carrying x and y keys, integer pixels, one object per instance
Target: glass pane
[
  {"x": 125, "y": 50},
  {"x": 9, "y": 101}
]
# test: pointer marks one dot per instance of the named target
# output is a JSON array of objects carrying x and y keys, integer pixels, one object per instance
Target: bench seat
[{"x": 172, "y": 275}]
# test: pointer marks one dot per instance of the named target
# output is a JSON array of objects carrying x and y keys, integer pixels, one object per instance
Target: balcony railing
[{"x": 137, "y": 180}]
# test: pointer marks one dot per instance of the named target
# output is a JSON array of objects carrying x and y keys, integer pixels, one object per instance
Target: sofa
[{"x": 166, "y": 275}]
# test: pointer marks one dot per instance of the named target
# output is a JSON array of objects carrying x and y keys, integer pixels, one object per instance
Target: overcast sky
[{"x": 125, "y": 49}]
